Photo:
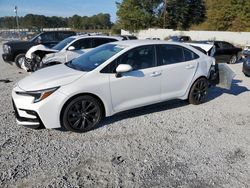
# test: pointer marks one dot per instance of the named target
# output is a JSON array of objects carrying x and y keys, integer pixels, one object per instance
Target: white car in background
[
  {"x": 68, "y": 49},
  {"x": 112, "y": 78}
]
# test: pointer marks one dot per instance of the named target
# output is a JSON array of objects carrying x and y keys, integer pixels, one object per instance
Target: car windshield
[
  {"x": 63, "y": 43},
  {"x": 94, "y": 58}
]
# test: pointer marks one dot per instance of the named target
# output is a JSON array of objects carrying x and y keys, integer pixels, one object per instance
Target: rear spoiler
[{"x": 208, "y": 48}]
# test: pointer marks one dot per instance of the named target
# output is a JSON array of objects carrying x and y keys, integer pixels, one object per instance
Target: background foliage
[{"x": 219, "y": 15}]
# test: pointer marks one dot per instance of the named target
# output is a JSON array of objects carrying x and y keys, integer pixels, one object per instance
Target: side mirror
[
  {"x": 71, "y": 48},
  {"x": 122, "y": 68}
]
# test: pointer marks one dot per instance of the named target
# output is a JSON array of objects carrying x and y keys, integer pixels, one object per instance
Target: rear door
[{"x": 178, "y": 66}]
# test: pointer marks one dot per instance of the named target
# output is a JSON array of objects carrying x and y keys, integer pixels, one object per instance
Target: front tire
[
  {"x": 82, "y": 114},
  {"x": 198, "y": 92},
  {"x": 19, "y": 60}
]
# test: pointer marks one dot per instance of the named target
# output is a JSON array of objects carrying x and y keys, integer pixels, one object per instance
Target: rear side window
[
  {"x": 100, "y": 41},
  {"x": 189, "y": 55},
  {"x": 64, "y": 35},
  {"x": 226, "y": 45},
  {"x": 170, "y": 54},
  {"x": 48, "y": 37}
]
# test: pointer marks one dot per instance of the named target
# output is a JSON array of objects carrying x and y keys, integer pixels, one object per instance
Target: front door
[
  {"x": 81, "y": 46},
  {"x": 139, "y": 87}
]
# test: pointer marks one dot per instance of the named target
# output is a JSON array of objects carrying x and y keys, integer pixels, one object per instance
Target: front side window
[
  {"x": 139, "y": 58},
  {"x": 94, "y": 58},
  {"x": 82, "y": 44}
]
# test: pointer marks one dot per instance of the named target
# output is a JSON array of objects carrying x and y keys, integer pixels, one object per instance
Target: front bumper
[
  {"x": 44, "y": 113},
  {"x": 31, "y": 122},
  {"x": 8, "y": 58}
]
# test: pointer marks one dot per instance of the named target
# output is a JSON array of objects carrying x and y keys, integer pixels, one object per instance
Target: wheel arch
[
  {"x": 189, "y": 90},
  {"x": 83, "y": 94}
]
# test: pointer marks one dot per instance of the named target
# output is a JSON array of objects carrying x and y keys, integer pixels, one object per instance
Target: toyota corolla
[{"x": 109, "y": 79}]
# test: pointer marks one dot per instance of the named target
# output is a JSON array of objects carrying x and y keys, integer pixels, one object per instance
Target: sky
[{"x": 64, "y": 8}]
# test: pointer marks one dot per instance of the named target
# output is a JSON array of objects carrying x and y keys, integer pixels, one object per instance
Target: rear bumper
[{"x": 8, "y": 58}]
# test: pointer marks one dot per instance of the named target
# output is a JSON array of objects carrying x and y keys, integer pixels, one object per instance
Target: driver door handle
[{"x": 155, "y": 74}]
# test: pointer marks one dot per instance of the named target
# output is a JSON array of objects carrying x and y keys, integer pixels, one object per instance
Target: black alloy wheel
[
  {"x": 199, "y": 91},
  {"x": 82, "y": 114}
]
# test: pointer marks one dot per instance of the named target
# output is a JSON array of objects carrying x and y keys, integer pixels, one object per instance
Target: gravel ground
[{"x": 172, "y": 144}]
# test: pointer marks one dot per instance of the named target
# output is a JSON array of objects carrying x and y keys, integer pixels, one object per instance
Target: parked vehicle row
[
  {"x": 70, "y": 48},
  {"x": 14, "y": 51},
  {"x": 84, "y": 78},
  {"x": 112, "y": 78}
]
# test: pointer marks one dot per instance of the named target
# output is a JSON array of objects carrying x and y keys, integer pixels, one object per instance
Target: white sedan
[
  {"x": 109, "y": 79},
  {"x": 70, "y": 48}
]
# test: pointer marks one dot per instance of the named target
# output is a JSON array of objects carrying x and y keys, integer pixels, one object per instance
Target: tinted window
[
  {"x": 170, "y": 54},
  {"x": 189, "y": 55},
  {"x": 139, "y": 58},
  {"x": 48, "y": 37},
  {"x": 101, "y": 41},
  {"x": 82, "y": 44},
  {"x": 132, "y": 38},
  {"x": 63, "y": 35},
  {"x": 226, "y": 45}
]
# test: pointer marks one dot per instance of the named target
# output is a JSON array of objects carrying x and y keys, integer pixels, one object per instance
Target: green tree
[
  {"x": 227, "y": 15},
  {"x": 138, "y": 14}
]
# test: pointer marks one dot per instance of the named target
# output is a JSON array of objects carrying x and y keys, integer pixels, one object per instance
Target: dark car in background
[
  {"x": 246, "y": 67},
  {"x": 226, "y": 52},
  {"x": 14, "y": 51},
  {"x": 180, "y": 38}
]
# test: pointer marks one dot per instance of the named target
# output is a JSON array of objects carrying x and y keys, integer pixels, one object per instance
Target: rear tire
[
  {"x": 198, "y": 92},
  {"x": 82, "y": 114},
  {"x": 20, "y": 58},
  {"x": 233, "y": 59}
]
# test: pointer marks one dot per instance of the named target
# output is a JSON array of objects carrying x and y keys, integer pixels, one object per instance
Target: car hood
[
  {"x": 54, "y": 76},
  {"x": 39, "y": 47},
  {"x": 19, "y": 43}
]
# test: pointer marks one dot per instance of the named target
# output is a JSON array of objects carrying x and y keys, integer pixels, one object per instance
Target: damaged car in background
[
  {"x": 112, "y": 78},
  {"x": 72, "y": 47}
]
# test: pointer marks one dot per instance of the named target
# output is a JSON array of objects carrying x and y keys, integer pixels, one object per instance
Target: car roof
[
  {"x": 134, "y": 43},
  {"x": 96, "y": 36}
]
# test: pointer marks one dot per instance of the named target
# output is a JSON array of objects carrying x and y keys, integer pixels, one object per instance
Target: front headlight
[
  {"x": 39, "y": 95},
  {"x": 6, "y": 49}
]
